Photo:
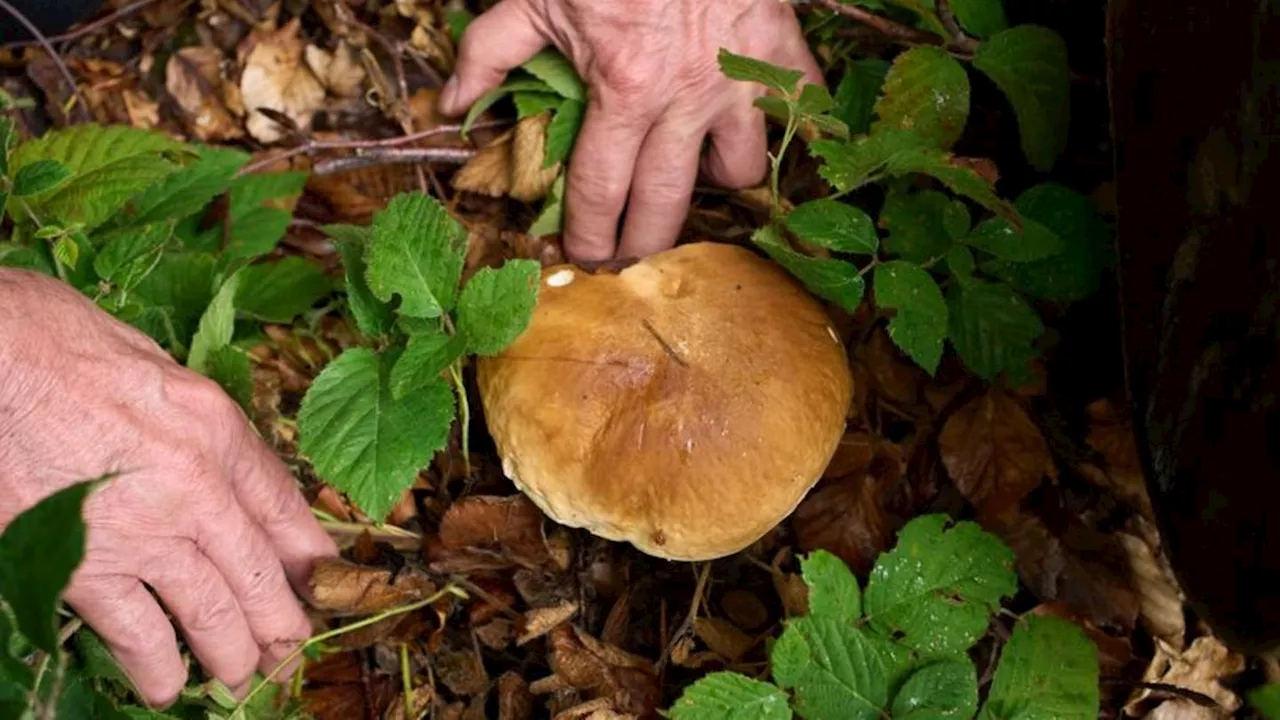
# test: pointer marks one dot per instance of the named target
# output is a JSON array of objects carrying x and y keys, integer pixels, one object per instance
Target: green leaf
[
  {"x": 416, "y": 252},
  {"x": 834, "y": 280},
  {"x": 562, "y": 131},
  {"x": 857, "y": 92},
  {"x": 850, "y": 165},
  {"x": 277, "y": 292},
  {"x": 831, "y": 668},
  {"x": 1029, "y": 65},
  {"x": 833, "y": 589},
  {"x": 775, "y": 107},
  {"x": 8, "y": 138},
  {"x": 130, "y": 253},
  {"x": 558, "y": 73},
  {"x": 26, "y": 257},
  {"x": 1075, "y": 272},
  {"x": 250, "y": 192},
  {"x": 1266, "y": 700},
  {"x": 66, "y": 252},
  {"x": 730, "y": 696},
  {"x": 926, "y": 92},
  {"x": 53, "y": 531},
  {"x": 998, "y": 237},
  {"x": 496, "y": 305},
  {"x": 749, "y": 69},
  {"x": 1048, "y": 671},
  {"x": 960, "y": 262},
  {"x": 229, "y": 366},
  {"x": 993, "y": 329},
  {"x": 424, "y": 358},
  {"x": 109, "y": 165},
  {"x": 939, "y": 587},
  {"x": 184, "y": 282},
  {"x": 252, "y": 234},
  {"x": 40, "y": 176},
  {"x": 16, "y": 678},
  {"x": 190, "y": 189},
  {"x": 531, "y": 102},
  {"x": 364, "y": 441},
  {"x": 946, "y": 690},
  {"x": 957, "y": 178},
  {"x": 512, "y": 85},
  {"x": 217, "y": 326},
  {"x": 834, "y": 225},
  {"x": 96, "y": 658},
  {"x": 550, "y": 219},
  {"x": 374, "y": 317},
  {"x": 980, "y": 18},
  {"x": 920, "y": 324},
  {"x": 923, "y": 225}
]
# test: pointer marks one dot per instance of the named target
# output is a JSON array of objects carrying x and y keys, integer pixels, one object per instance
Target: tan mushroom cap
[{"x": 684, "y": 405}]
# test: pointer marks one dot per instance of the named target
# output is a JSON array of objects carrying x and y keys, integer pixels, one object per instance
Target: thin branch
[
  {"x": 90, "y": 28},
  {"x": 958, "y": 37},
  {"x": 893, "y": 29},
  {"x": 393, "y": 156},
  {"x": 313, "y": 146},
  {"x": 43, "y": 42}
]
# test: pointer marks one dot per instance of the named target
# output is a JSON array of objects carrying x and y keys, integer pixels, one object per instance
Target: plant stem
[
  {"x": 407, "y": 681},
  {"x": 792, "y": 123},
  {"x": 464, "y": 416}
]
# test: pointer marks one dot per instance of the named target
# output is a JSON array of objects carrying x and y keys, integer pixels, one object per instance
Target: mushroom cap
[{"x": 685, "y": 405}]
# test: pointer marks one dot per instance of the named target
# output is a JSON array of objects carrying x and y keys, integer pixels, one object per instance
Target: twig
[
  {"x": 90, "y": 28},
  {"x": 313, "y": 146},
  {"x": 393, "y": 156},
  {"x": 958, "y": 37},
  {"x": 892, "y": 29},
  {"x": 43, "y": 41},
  {"x": 699, "y": 589}
]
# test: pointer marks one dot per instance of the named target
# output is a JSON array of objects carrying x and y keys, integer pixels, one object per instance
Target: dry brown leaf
[
  {"x": 540, "y": 621},
  {"x": 460, "y": 670},
  {"x": 143, "y": 112},
  {"x": 845, "y": 517},
  {"x": 345, "y": 588},
  {"x": 1161, "y": 600},
  {"x": 1201, "y": 668},
  {"x": 512, "y": 164},
  {"x": 723, "y": 637},
  {"x": 340, "y": 71},
  {"x": 1111, "y": 435},
  {"x": 791, "y": 588},
  {"x": 853, "y": 455},
  {"x": 499, "y": 531},
  {"x": 629, "y": 682},
  {"x": 498, "y": 633},
  {"x": 745, "y": 609},
  {"x": 515, "y": 702},
  {"x": 275, "y": 77},
  {"x": 194, "y": 79},
  {"x": 994, "y": 452},
  {"x": 355, "y": 195}
]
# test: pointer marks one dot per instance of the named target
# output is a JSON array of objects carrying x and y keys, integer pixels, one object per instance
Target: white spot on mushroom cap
[{"x": 560, "y": 278}]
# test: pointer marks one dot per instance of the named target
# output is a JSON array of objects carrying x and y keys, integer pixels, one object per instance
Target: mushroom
[{"x": 685, "y": 404}]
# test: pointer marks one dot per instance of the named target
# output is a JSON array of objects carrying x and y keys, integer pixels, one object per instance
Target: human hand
[
  {"x": 203, "y": 513},
  {"x": 656, "y": 91}
]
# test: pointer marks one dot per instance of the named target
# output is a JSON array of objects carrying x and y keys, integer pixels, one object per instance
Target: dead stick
[
  {"x": 91, "y": 28},
  {"x": 393, "y": 156},
  {"x": 888, "y": 27},
  {"x": 53, "y": 55},
  {"x": 313, "y": 146}
]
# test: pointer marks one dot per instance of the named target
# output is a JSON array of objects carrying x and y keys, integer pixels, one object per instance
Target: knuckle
[{"x": 217, "y": 612}]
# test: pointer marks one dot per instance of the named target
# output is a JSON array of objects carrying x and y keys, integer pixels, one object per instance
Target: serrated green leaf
[
  {"x": 920, "y": 324},
  {"x": 960, "y": 262},
  {"x": 229, "y": 366},
  {"x": 558, "y": 73},
  {"x": 926, "y": 10},
  {"x": 531, "y": 102},
  {"x": 831, "y": 668},
  {"x": 550, "y": 220},
  {"x": 8, "y": 138},
  {"x": 1029, "y": 65},
  {"x": 833, "y": 589},
  {"x": 562, "y": 131},
  {"x": 775, "y": 107},
  {"x": 993, "y": 329},
  {"x": 96, "y": 659},
  {"x": 496, "y": 305},
  {"x": 730, "y": 696},
  {"x": 938, "y": 587},
  {"x": 129, "y": 254},
  {"x": 416, "y": 252},
  {"x": 424, "y": 358},
  {"x": 857, "y": 92},
  {"x": 373, "y": 317},
  {"x": 183, "y": 282},
  {"x": 26, "y": 257},
  {"x": 957, "y": 178},
  {"x": 850, "y": 165},
  {"x": 66, "y": 252},
  {"x": 946, "y": 690},
  {"x": 749, "y": 69},
  {"x": 252, "y": 234},
  {"x": 38, "y": 177},
  {"x": 109, "y": 165},
  {"x": 1073, "y": 273},
  {"x": 925, "y": 92},
  {"x": 815, "y": 100},
  {"x": 361, "y": 439},
  {"x": 980, "y": 18},
  {"x": 999, "y": 238},
  {"x": 834, "y": 225},
  {"x": 512, "y": 85},
  {"x": 1047, "y": 671},
  {"x": 1266, "y": 700},
  {"x": 250, "y": 192},
  {"x": 277, "y": 292},
  {"x": 834, "y": 280},
  {"x": 16, "y": 678},
  {"x": 190, "y": 189},
  {"x": 53, "y": 531},
  {"x": 898, "y": 659},
  {"x": 217, "y": 325},
  {"x": 923, "y": 225}
]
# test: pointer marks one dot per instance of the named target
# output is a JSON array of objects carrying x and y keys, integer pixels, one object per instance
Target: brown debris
[
  {"x": 194, "y": 78},
  {"x": 345, "y": 588},
  {"x": 1200, "y": 669},
  {"x": 489, "y": 531},
  {"x": 276, "y": 78},
  {"x": 512, "y": 164}
]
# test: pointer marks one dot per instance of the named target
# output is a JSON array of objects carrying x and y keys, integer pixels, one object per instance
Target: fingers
[
  {"x": 501, "y": 39},
  {"x": 665, "y": 173},
  {"x": 211, "y": 619},
  {"x": 793, "y": 50},
  {"x": 239, "y": 550},
  {"x": 599, "y": 178},
  {"x": 738, "y": 154},
  {"x": 138, "y": 634}
]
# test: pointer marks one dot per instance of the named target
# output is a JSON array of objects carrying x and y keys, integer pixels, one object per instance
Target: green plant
[{"x": 900, "y": 649}]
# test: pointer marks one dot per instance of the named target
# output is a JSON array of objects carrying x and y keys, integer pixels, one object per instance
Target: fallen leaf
[
  {"x": 497, "y": 634},
  {"x": 143, "y": 112},
  {"x": 892, "y": 375},
  {"x": 994, "y": 452},
  {"x": 212, "y": 106},
  {"x": 1160, "y": 599},
  {"x": 745, "y": 609},
  {"x": 420, "y": 700},
  {"x": 275, "y": 77},
  {"x": 500, "y": 531},
  {"x": 1201, "y": 669},
  {"x": 791, "y": 588},
  {"x": 345, "y": 588},
  {"x": 340, "y": 71},
  {"x": 853, "y": 455},
  {"x": 355, "y": 195},
  {"x": 512, "y": 164},
  {"x": 628, "y": 681},
  {"x": 723, "y": 637},
  {"x": 1111, "y": 435},
  {"x": 515, "y": 702},
  {"x": 461, "y": 671},
  {"x": 539, "y": 621},
  {"x": 845, "y": 517}
]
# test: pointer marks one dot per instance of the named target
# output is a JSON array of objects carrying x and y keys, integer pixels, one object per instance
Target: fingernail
[{"x": 449, "y": 95}]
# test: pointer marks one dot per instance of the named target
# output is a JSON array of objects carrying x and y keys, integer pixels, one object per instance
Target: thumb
[{"x": 495, "y": 43}]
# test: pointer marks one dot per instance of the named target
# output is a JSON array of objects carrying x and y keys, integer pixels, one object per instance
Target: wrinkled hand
[
  {"x": 656, "y": 91},
  {"x": 204, "y": 514}
]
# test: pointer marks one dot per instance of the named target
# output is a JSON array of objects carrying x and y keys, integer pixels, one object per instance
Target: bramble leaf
[
  {"x": 834, "y": 225},
  {"x": 512, "y": 85},
  {"x": 229, "y": 366},
  {"x": 550, "y": 219},
  {"x": 850, "y": 165},
  {"x": 1029, "y": 65},
  {"x": 749, "y": 69},
  {"x": 835, "y": 280},
  {"x": 496, "y": 305},
  {"x": 129, "y": 254},
  {"x": 279, "y": 291},
  {"x": 38, "y": 177},
  {"x": 532, "y": 102},
  {"x": 939, "y": 587},
  {"x": 834, "y": 672},
  {"x": 363, "y": 440},
  {"x": 1048, "y": 671},
  {"x": 730, "y": 696},
  {"x": 857, "y": 93},
  {"x": 833, "y": 589},
  {"x": 926, "y": 92},
  {"x": 980, "y": 18},
  {"x": 217, "y": 326},
  {"x": 562, "y": 131},
  {"x": 1266, "y": 700},
  {"x": 998, "y": 237},
  {"x": 946, "y": 690},
  {"x": 922, "y": 225},
  {"x": 190, "y": 189},
  {"x": 993, "y": 329},
  {"x": 424, "y": 358},
  {"x": 416, "y": 252},
  {"x": 554, "y": 69},
  {"x": 920, "y": 324},
  {"x": 374, "y": 317}
]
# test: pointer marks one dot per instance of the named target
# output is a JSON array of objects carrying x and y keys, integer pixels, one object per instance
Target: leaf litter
[{"x": 554, "y": 622}]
